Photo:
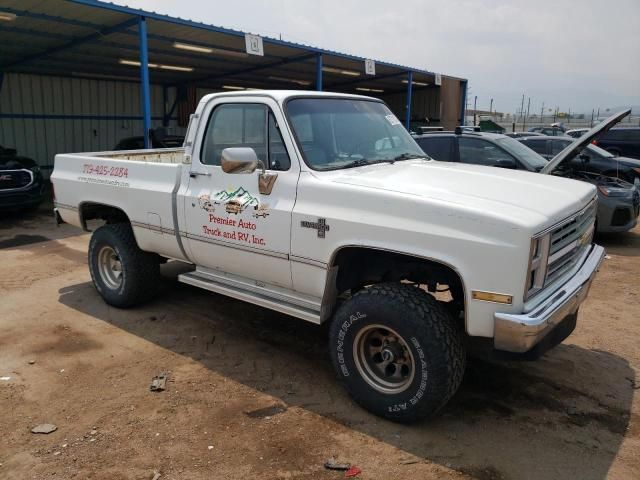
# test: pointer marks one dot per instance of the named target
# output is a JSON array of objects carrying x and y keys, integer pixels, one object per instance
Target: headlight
[
  {"x": 614, "y": 191},
  {"x": 538, "y": 257}
]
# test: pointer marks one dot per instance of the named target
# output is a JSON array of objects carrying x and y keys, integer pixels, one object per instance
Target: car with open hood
[{"x": 618, "y": 199}]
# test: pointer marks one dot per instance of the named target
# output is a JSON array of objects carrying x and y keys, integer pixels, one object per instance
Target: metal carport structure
[{"x": 178, "y": 59}]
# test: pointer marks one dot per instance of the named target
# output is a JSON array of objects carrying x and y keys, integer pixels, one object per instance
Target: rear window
[{"x": 439, "y": 148}]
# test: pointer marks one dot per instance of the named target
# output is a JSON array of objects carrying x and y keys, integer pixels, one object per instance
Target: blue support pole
[
  {"x": 409, "y": 95},
  {"x": 319, "y": 72},
  {"x": 463, "y": 107},
  {"x": 144, "y": 81}
]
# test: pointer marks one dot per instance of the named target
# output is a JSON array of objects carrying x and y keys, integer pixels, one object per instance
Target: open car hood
[{"x": 580, "y": 143}]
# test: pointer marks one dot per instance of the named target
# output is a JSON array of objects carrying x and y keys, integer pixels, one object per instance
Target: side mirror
[
  {"x": 506, "y": 163},
  {"x": 245, "y": 160},
  {"x": 239, "y": 160}
]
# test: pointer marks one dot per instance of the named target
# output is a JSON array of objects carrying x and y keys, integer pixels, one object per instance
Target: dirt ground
[{"x": 252, "y": 393}]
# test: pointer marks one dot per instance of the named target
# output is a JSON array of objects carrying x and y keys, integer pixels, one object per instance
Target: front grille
[
  {"x": 569, "y": 241},
  {"x": 15, "y": 179}
]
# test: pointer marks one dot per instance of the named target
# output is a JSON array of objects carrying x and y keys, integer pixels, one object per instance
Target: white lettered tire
[{"x": 398, "y": 351}]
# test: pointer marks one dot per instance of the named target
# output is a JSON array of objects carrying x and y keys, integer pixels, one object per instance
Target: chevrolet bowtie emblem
[{"x": 321, "y": 226}]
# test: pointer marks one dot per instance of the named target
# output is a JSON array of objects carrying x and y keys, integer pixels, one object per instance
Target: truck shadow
[
  {"x": 564, "y": 416},
  {"x": 626, "y": 244}
]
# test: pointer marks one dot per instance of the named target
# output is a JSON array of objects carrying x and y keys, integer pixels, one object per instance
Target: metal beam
[
  {"x": 463, "y": 107},
  {"x": 73, "y": 43},
  {"x": 237, "y": 33},
  {"x": 145, "y": 95},
  {"x": 366, "y": 79},
  {"x": 409, "y": 98},
  {"x": 319, "y": 72},
  {"x": 283, "y": 61}
]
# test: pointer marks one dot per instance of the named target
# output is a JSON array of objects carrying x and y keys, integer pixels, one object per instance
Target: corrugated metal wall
[
  {"x": 425, "y": 104},
  {"x": 41, "y": 115}
]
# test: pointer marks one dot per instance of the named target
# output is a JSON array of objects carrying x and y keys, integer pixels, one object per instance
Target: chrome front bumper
[{"x": 521, "y": 332}]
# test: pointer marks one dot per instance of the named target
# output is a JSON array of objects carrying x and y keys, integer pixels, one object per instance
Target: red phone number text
[{"x": 105, "y": 170}]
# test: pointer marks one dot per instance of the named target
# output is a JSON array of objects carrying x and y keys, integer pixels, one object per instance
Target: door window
[
  {"x": 481, "y": 152},
  {"x": 538, "y": 146},
  {"x": 438, "y": 148},
  {"x": 235, "y": 125}
]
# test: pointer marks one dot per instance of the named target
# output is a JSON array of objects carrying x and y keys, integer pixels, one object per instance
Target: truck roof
[{"x": 282, "y": 95}]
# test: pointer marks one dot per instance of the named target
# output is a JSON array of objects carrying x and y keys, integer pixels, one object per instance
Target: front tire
[
  {"x": 123, "y": 274},
  {"x": 398, "y": 351}
]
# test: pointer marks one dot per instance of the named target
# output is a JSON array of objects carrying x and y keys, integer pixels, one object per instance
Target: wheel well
[
  {"x": 107, "y": 213},
  {"x": 357, "y": 267}
]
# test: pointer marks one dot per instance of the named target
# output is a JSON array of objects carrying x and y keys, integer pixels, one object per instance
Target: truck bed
[{"x": 141, "y": 183}]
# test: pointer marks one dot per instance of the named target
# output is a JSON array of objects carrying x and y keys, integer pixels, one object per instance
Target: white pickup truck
[{"x": 322, "y": 206}]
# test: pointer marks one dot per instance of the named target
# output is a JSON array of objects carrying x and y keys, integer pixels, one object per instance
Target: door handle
[{"x": 196, "y": 174}]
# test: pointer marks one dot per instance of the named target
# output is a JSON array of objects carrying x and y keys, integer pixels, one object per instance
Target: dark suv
[
  {"x": 21, "y": 183},
  {"x": 621, "y": 141},
  {"x": 618, "y": 201}
]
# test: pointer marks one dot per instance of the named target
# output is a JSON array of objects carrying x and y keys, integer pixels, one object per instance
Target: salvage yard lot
[{"x": 251, "y": 393}]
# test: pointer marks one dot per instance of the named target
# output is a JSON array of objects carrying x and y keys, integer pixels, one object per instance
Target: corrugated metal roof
[{"x": 33, "y": 43}]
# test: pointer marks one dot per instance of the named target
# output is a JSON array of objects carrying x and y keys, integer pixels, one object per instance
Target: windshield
[
  {"x": 524, "y": 154},
  {"x": 343, "y": 133}
]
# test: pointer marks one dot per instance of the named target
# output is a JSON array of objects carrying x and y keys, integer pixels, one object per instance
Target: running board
[{"x": 256, "y": 295}]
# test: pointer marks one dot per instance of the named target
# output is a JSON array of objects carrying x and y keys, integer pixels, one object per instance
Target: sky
[{"x": 572, "y": 54}]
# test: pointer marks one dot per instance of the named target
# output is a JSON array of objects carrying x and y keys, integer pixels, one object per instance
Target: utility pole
[
  {"x": 591, "y": 124},
  {"x": 542, "y": 114},
  {"x": 475, "y": 103},
  {"x": 491, "y": 107},
  {"x": 522, "y": 106},
  {"x": 555, "y": 114},
  {"x": 524, "y": 118}
]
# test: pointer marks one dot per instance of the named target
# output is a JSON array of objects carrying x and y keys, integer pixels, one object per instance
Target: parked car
[
  {"x": 21, "y": 182},
  {"x": 617, "y": 200},
  {"x": 621, "y": 141},
  {"x": 576, "y": 132},
  {"x": 523, "y": 134},
  {"x": 157, "y": 137},
  {"x": 593, "y": 159},
  {"x": 551, "y": 131},
  {"x": 358, "y": 219}
]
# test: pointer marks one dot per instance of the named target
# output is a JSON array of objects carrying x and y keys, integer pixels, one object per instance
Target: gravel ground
[{"x": 251, "y": 393}]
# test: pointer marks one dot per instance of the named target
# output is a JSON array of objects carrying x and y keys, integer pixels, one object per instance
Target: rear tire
[
  {"x": 123, "y": 274},
  {"x": 398, "y": 351}
]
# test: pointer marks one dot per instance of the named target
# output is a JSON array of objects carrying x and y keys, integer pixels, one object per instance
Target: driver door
[{"x": 231, "y": 226}]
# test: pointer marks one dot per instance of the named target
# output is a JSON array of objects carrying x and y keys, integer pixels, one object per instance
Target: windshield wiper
[
  {"x": 408, "y": 156},
  {"x": 363, "y": 161}
]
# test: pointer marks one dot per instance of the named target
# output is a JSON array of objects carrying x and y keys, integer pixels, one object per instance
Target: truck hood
[{"x": 521, "y": 197}]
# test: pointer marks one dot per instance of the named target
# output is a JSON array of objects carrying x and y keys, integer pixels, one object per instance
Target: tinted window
[
  {"x": 481, "y": 152},
  {"x": 437, "y": 147},
  {"x": 538, "y": 146},
  {"x": 235, "y": 125},
  {"x": 623, "y": 134},
  {"x": 558, "y": 146}
]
